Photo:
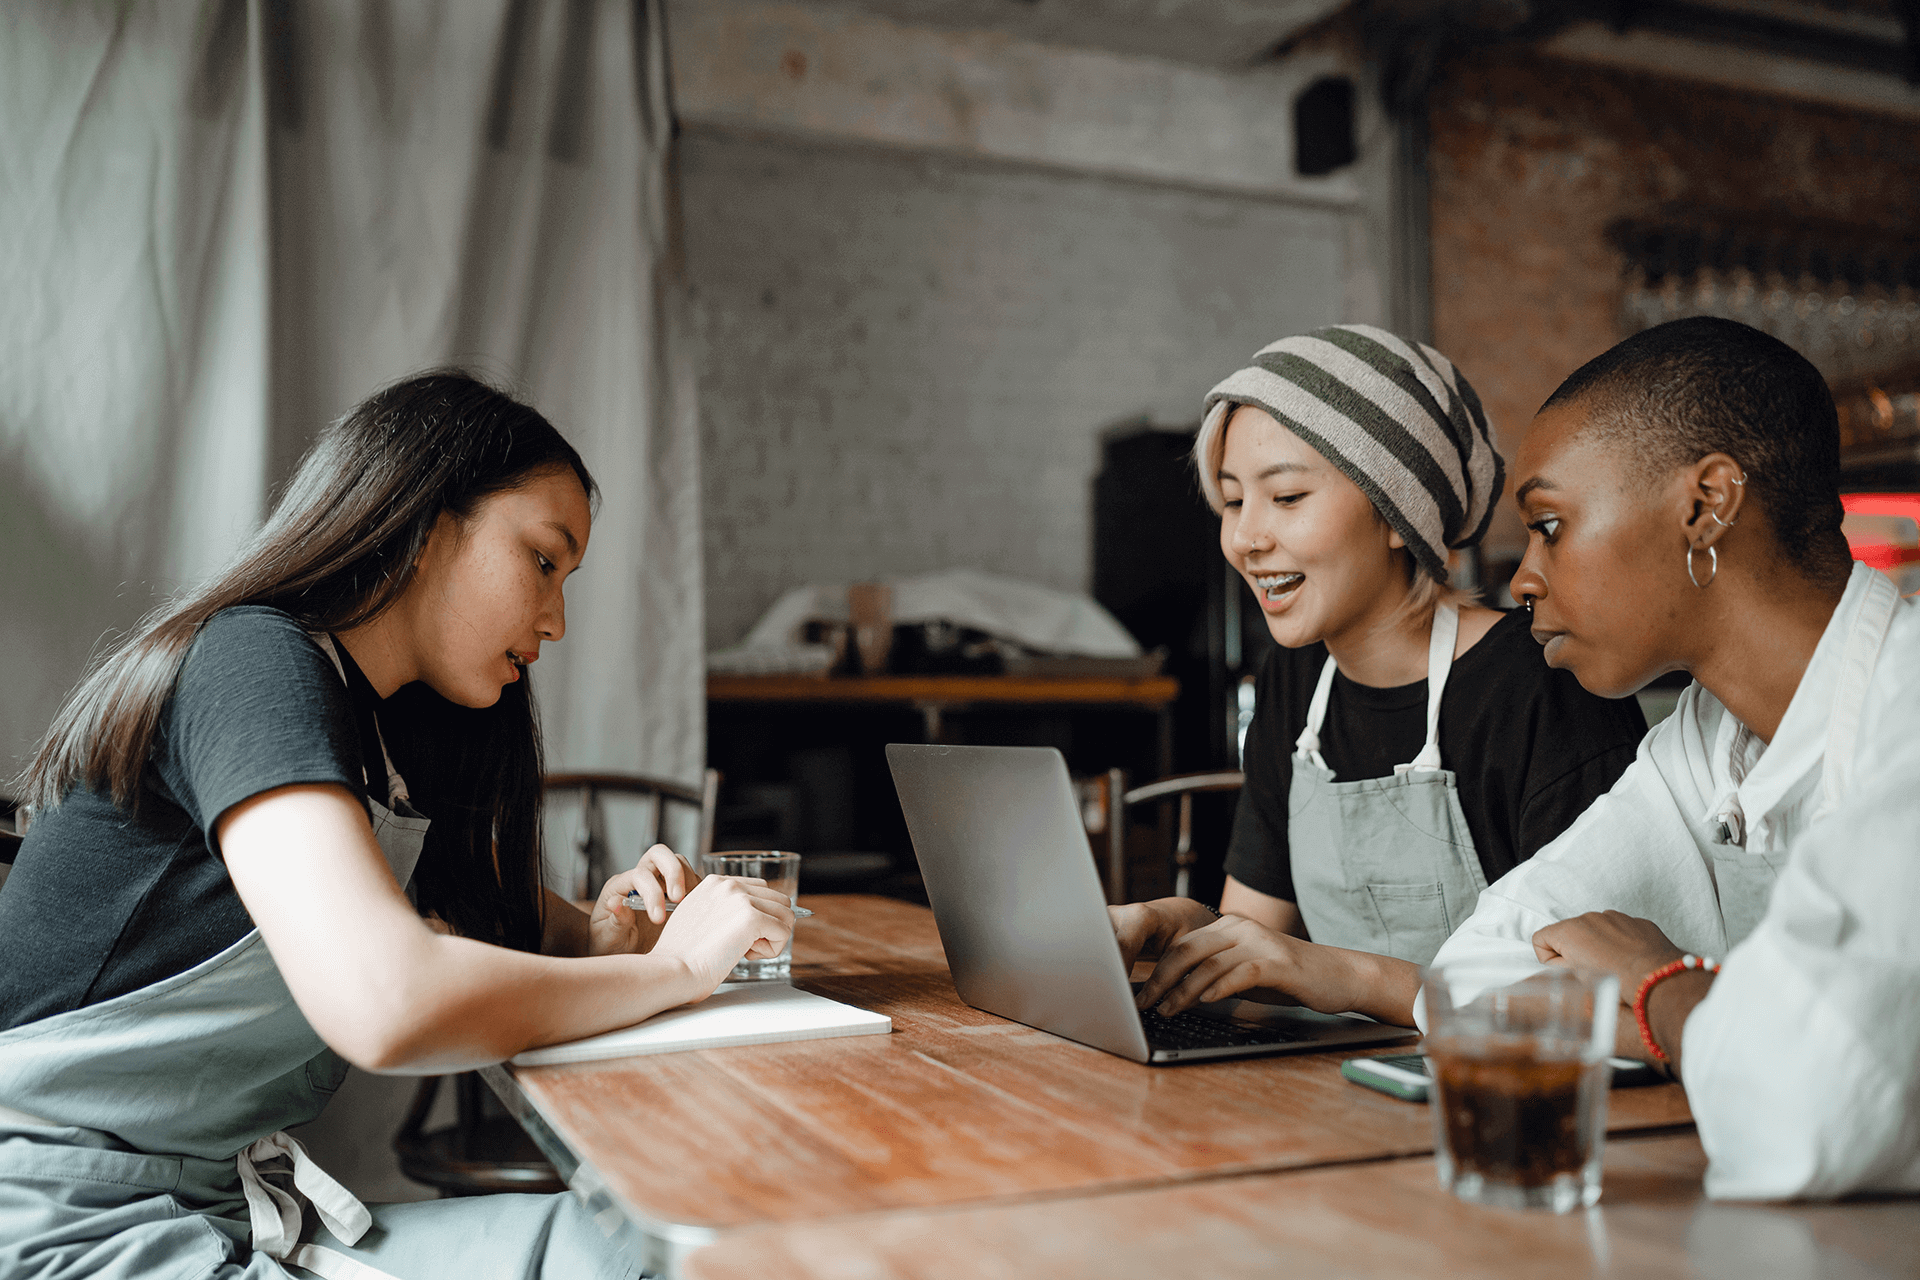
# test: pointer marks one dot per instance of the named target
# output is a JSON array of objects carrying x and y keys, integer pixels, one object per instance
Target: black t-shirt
[
  {"x": 100, "y": 903},
  {"x": 1529, "y": 748}
]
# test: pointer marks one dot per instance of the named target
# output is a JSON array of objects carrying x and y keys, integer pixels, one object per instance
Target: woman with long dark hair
[{"x": 292, "y": 823}]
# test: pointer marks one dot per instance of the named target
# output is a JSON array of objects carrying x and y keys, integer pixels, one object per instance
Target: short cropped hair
[{"x": 1679, "y": 391}]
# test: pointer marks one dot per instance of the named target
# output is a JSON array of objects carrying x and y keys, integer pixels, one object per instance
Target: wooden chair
[
  {"x": 485, "y": 1150},
  {"x": 1181, "y": 787},
  {"x": 13, "y": 830},
  {"x": 608, "y": 845}
]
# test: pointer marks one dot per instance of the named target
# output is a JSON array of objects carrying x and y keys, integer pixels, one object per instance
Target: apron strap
[
  {"x": 396, "y": 785},
  {"x": 1307, "y": 746},
  {"x": 274, "y": 1211},
  {"x": 1440, "y": 642}
]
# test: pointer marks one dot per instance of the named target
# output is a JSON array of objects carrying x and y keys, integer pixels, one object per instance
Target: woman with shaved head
[{"x": 1681, "y": 496}]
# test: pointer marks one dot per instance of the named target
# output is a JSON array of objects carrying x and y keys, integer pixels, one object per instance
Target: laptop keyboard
[{"x": 1190, "y": 1030}]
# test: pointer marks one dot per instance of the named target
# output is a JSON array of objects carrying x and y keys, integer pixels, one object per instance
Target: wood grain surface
[
  {"x": 1387, "y": 1219},
  {"x": 955, "y": 1106}
]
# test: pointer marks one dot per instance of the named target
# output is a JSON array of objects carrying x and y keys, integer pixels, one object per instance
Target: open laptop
[{"x": 1010, "y": 876}]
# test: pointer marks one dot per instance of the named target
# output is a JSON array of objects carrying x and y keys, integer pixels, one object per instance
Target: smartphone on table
[{"x": 1404, "y": 1075}]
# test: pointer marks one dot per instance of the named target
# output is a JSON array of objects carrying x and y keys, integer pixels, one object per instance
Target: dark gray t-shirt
[
  {"x": 1529, "y": 748},
  {"x": 101, "y": 903}
]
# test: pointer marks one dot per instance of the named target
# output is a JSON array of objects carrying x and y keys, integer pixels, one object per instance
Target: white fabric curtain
[{"x": 223, "y": 223}]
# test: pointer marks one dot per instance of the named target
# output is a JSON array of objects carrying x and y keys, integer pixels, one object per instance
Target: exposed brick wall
[
  {"x": 907, "y": 361},
  {"x": 1533, "y": 158}
]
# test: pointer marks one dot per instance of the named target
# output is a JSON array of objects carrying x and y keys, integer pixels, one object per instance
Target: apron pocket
[
  {"x": 52, "y": 1162},
  {"x": 1413, "y": 917},
  {"x": 326, "y": 1071}
]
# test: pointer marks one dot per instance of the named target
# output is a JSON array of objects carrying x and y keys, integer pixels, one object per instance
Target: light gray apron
[
  {"x": 1384, "y": 865},
  {"x": 115, "y": 1117},
  {"x": 1744, "y": 878}
]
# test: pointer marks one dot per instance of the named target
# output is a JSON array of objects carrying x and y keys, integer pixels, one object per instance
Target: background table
[
  {"x": 955, "y": 1107},
  {"x": 935, "y": 696},
  {"x": 805, "y": 766},
  {"x": 1387, "y": 1219}
]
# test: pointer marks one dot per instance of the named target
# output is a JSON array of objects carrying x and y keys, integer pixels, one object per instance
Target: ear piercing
[
  {"x": 1725, "y": 524},
  {"x": 1713, "y": 560}
]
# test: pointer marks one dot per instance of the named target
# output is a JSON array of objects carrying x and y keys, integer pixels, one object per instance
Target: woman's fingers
[
  {"x": 660, "y": 877},
  {"x": 1180, "y": 960},
  {"x": 725, "y": 918},
  {"x": 1224, "y": 972},
  {"x": 674, "y": 872},
  {"x": 1133, "y": 929}
]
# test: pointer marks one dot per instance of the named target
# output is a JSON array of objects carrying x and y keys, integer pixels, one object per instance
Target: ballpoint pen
[{"x": 639, "y": 903}]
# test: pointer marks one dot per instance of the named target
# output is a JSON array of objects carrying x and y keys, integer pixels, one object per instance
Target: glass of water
[{"x": 781, "y": 871}]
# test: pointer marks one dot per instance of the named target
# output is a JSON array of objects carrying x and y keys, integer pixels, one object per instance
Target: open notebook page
[{"x": 736, "y": 1013}]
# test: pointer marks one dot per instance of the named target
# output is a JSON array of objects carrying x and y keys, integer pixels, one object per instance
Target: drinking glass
[
  {"x": 1520, "y": 1078},
  {"x": 781, "y": 871}
]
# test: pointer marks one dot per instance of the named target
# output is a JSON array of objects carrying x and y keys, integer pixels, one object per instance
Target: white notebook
[{"x": 736, "y": 1013}]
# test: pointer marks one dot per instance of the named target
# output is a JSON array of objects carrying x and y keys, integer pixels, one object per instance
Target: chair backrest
[
  {"x": 1181, "y": 787},
  {"x": 13, "y": 829},
  {"x": 605, "y": 821}
]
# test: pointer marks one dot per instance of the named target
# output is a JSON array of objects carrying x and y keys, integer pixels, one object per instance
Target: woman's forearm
[
  {"x": 1383, "y": 988},
  {"x": 383, "y": 989},
  {"x": 462, "y": 1004}
]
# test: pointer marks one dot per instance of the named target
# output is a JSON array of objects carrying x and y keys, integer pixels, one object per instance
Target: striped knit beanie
[{"x": 1394, "y": 415}]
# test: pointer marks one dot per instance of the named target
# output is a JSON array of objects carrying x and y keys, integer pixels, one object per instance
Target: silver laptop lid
[{"x": 1010, "y": 877}]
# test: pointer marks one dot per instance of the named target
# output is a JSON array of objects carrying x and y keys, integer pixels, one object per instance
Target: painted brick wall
[
  {"x": 907, "y": 360},
  {"x": 1533, "y": 158}
]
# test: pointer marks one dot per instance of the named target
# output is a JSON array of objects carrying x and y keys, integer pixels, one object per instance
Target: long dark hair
[{"x": 339, "y": 549}]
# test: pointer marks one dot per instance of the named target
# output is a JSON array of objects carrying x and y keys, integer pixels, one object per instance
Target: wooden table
[
  {"x": 1388, "y": 1220},
  {"x": 955, "y": 1107}
]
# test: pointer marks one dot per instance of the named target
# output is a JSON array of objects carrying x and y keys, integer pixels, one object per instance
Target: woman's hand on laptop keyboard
[
  {"x": 1237, "y": 957},
  {"x": 1147, "y": 929}
]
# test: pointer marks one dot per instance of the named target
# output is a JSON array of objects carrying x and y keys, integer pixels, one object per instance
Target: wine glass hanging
[{"x": 1846, "y": 298}]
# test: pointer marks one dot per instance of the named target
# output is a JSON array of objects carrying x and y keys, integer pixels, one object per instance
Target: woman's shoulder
[
  {"x": 251, "y": 646},
  {"x": 253, "y": 627}
]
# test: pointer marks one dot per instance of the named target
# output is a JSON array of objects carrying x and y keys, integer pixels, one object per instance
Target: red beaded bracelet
[{"x": 1652, "y": 980}]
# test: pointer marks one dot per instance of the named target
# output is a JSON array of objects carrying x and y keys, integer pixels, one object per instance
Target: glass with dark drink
[{"x": 1520, "y": 1078}]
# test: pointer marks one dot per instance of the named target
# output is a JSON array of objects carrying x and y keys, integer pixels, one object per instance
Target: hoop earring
[
  {"x": 1713, "y": 560},
  {"x": 1724, "y": 524}
]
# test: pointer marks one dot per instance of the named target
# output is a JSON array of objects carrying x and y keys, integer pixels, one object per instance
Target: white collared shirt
[
  {"x": 1802, "y": 1064},
  {"x": 1646, "y": 847}
]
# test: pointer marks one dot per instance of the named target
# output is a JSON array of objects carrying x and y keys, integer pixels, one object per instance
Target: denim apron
[
  {"x": 1744, "y": 877},
  {"x": 1384, "y": 865},
  {"x": 144, "y": 1136}
]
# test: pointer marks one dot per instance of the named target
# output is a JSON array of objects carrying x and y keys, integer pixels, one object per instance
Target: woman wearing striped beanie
[{"x": 1409, "y": 746}]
